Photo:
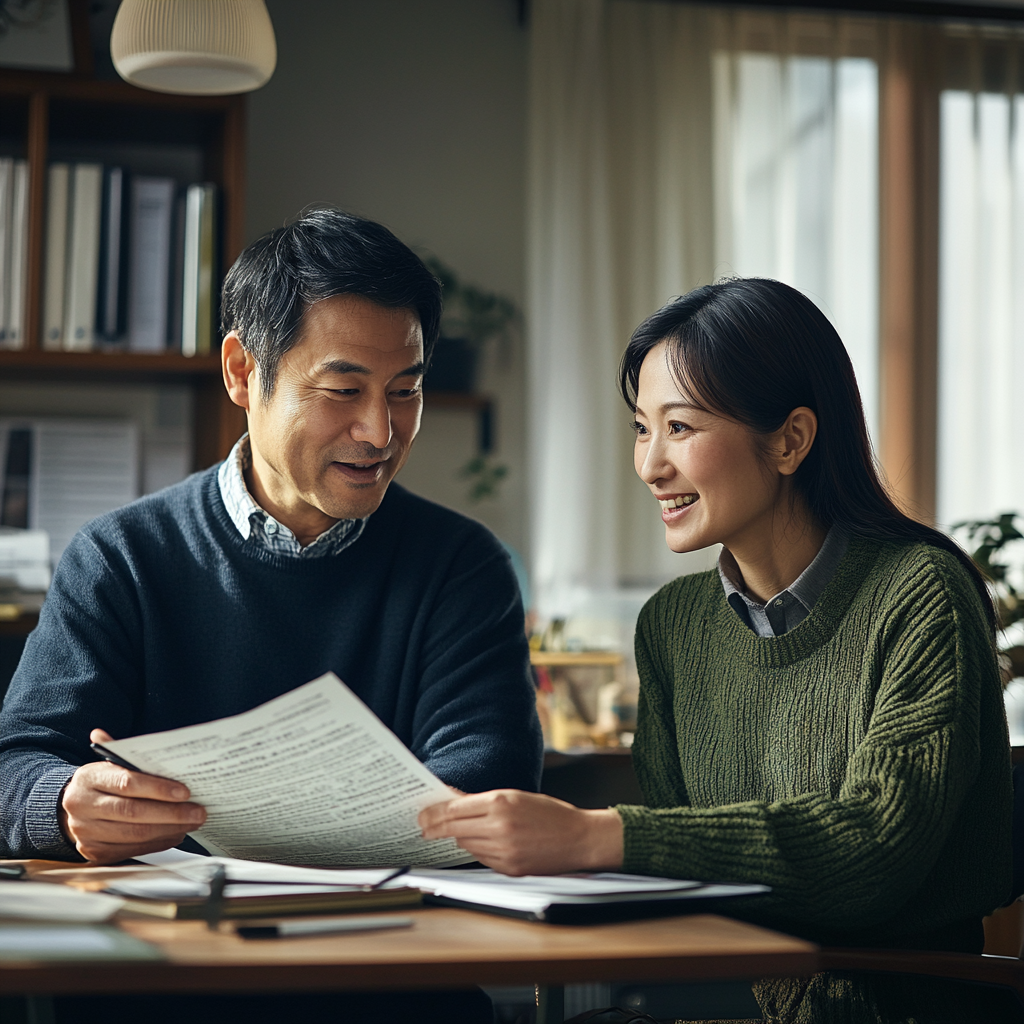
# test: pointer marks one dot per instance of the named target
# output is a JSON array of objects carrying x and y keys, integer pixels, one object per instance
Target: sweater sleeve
[
  {"x": 75, "y": 675},
  {"x": 475, "y": 724},
  {"x": 655, "y": 751},
  {"x": 846, "y": 862}
]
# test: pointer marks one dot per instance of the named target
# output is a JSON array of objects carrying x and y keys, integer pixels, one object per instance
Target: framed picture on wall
[{"x": 37, "y": 35}]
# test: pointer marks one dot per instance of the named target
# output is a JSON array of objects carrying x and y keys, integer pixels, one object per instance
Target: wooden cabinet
[{"x": 45, "y": 117}]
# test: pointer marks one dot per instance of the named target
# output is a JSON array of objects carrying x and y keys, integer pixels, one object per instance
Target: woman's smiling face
[{"x": 706, "y": 470}]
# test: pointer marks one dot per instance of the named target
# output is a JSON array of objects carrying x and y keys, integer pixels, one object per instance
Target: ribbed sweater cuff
[
  {"x": 41, "y": 813},
  {"x": 641, "y": 838}
]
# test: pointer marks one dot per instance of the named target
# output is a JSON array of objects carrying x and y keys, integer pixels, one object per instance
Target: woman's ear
[
  {"x": 796, "y": 436},
  {"x": 239, "y": 369}
]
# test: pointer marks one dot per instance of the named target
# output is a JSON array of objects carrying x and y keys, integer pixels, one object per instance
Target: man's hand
[
  {"x": 520, "y": 833},
  {"x": 111, "y": 814}
]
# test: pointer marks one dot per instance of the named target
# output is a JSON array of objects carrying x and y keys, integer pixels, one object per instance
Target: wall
[{"x": 412, "y": 113}]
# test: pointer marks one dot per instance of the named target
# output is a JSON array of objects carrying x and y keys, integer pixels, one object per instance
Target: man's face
[{"x": 343, "y": 415}]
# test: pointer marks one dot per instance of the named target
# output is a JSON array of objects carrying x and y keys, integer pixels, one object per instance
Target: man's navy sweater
[{"x": 160, "y": 615}]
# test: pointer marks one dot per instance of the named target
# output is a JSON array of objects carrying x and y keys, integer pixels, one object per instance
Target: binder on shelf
[
  {"x": 14, "y": 335},
  {"x": 57, "y": 209},
  {"x": 83, "y": 258},
  {"x": 110, "y": 299},
  {"x": 177, "y": 276},
  {"x": 152, "y": 209},
  {"x": 6, "y": 190},
  {"x": 197, "y": 284}
]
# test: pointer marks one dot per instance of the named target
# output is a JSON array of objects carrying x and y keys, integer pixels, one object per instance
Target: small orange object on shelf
[{"x": 576, "y": 659}]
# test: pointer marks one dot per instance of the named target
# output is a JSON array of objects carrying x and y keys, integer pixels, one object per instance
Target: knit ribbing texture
[{"x": 858, "y": 764}]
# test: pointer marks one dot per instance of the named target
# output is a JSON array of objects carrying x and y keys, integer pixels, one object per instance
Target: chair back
[{"x": 1018, "y": 832}]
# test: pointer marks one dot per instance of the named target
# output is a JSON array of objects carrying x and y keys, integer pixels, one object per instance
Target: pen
[
  {"x": 109, "y": 755},
  {"x": 321, "y": 926},
  {"x": 215, "y": 901},
  {"x": 398, "y": 872}
]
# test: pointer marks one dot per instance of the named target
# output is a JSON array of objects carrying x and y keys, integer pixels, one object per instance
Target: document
[
  {"x": 61, "y": 473},
  {"x": 579, "y": 898},
  {"x": 44, "y": 902},
  {"x": 311, "y": 777},
  {"x": 29, "y": 941}
]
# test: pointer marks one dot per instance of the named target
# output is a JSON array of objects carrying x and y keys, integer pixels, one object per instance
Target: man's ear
[
  {"x": 795, "y": 436},
  {"x": 239, "y": 369}
]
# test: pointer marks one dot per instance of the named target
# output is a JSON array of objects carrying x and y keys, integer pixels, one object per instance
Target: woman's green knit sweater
[{"x": 859, "y": 764}]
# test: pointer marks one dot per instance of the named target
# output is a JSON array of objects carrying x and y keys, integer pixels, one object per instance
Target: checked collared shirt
[{"x": 259, "y": 527}]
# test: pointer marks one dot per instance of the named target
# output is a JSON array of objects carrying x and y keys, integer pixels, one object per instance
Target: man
[{"x": 295, "y": 556}]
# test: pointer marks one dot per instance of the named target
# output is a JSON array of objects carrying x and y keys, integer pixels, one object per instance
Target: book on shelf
[
  {"x": 129, "y": 261},
  {"x": 13, "y": 251},
  {"x": 6, "y": 189},
  {"x": 110, "y": 300},
  {"x": 197, "y": 285},
  {"x": 58, "y": 183},
  {"x": 152, "y": 210},
  {"x": 177, "y": 281},
  {"x": 14, "y": 335},
  {"x": 83, "y": 258}
]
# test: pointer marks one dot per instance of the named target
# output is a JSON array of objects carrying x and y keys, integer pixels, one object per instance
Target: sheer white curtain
[
  {"x": 797, "y": 169},
  {"x": 981, "y": 315},
  {"x": 656, "y": 166},
  {"x": 619, "y": 222}
]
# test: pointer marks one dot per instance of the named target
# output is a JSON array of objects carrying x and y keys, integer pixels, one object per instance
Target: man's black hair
[{"x": 324, "y": 252}]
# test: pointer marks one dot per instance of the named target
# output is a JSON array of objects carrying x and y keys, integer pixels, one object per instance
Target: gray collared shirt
[
  {"x": 259, "y": 527},
  {"x": 790, "y": 607}
]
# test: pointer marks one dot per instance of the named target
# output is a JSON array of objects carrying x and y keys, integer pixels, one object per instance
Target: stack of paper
[
  {"x": 77, "y": 469},
  {"x": 38, "y": 901},
  {"x": 572, "y": 898}
]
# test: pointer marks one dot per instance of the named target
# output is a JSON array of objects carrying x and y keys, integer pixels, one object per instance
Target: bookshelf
[{"x": 49, "y": 116}]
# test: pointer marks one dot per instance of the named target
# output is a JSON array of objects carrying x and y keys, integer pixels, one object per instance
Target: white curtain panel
[
  {"x": 797, "y": 169},
  {"x": 657, "y": 166},
  {"x": 981, "y": 313},
  {"x": 619, "y": 223}
]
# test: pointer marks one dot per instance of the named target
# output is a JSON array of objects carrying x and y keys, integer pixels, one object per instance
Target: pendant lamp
[{"x": 208, "y": 47}]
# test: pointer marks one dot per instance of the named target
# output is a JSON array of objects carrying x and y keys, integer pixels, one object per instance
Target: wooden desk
[{"x": 444, "y": 949}]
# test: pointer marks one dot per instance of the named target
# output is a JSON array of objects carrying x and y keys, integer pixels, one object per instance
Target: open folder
[
  {"x": 576, "y": 898},
  {"x": 311, "y": 777}
]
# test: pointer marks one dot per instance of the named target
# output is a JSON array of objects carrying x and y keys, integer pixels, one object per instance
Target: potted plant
[
  {"x": 471, "y": 318},
  {"x": 991, "y": 536}
]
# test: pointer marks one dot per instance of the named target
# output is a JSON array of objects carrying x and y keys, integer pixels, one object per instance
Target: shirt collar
[
  {"x": 797, "y": 600},
  {"x": 258, "y": 526}
]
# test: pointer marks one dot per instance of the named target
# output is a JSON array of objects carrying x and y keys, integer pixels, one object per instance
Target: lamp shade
[{"x": 209, "y": 47}]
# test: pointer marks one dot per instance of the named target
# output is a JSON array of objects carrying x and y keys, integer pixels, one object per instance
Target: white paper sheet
[
  {"x": 312, "y": 777},
  {"x": 42, "y": 901},
  {"x": 535, "y": 893}
]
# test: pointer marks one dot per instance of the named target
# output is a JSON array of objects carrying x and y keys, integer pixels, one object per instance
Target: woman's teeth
[{"x": 670, "y": 503}]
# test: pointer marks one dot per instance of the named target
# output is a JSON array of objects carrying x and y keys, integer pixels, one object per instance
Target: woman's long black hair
[{"x": 754, "y": 350}]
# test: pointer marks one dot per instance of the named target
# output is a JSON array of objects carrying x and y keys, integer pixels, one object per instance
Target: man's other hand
[{"x": 111, "y": 814}]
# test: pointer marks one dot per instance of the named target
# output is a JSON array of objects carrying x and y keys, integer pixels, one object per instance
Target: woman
[{"x": 823, "y": 714}]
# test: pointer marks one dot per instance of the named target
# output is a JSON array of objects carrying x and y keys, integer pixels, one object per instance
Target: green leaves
[
  {"x": 484, "y": 476},
  {"x": 471, "y": 312},
  {"x": 991, "y": 536}
]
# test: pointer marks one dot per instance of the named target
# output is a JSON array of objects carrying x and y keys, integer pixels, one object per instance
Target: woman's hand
[{"x": 520, "y": 833}]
